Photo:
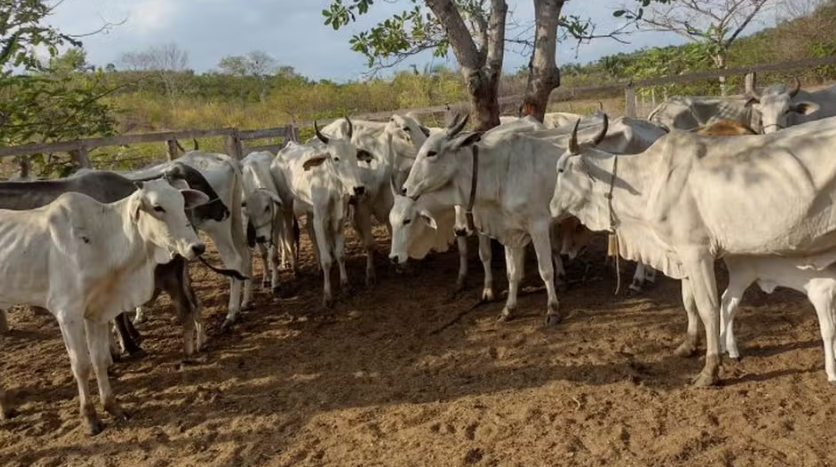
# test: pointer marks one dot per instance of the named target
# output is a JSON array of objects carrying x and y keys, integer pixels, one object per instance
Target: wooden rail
[{"x": 233, "y": 143}]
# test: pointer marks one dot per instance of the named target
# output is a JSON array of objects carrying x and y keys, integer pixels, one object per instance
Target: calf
[
  {"x": 775, "y": 271},
  {"x": 86, "y": 262}
]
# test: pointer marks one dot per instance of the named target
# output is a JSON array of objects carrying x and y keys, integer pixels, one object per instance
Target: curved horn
[
  {"x": 600, "y": 106},
  {"x": 319, "y": 134},
  {"x": 195, "y": 143},
  {"x": 393, "y": 185},
  {"x": 350, "y": 127},
  {"x": 600, "y": 136},
  {"x": 573, "y": 141},
  {"x": 797, "y": 88},
  {"x": 179, "y": 146},
  {"x": 459, "y": 126}
]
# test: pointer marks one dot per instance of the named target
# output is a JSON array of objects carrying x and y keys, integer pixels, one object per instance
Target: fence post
[
  {"x": 750, "y": 82},
  {"x": 233, "y": 145},
  {"x": 81, "y": 157},
  {"x": 172, "y": 152},
  {"x": 630, "y": 101}
]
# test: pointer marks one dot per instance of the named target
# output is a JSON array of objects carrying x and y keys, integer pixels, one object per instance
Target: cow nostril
[
  {"x": 199, "y": 249},
  {"x": 403, "y": 191},
  {"x": 359, "y": 190},
  {"x": 261, "y": 239}
]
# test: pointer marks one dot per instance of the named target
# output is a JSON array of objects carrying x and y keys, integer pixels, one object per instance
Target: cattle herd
[{"x": 746, "y": 179}]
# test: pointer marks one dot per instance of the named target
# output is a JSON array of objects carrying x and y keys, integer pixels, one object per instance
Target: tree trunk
[
  {"x": 543, "y": 74},
  {"x": 481, "y": 67}
]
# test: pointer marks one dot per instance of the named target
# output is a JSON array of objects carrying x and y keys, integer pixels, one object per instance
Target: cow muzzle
[
  {"x": 195, "y": 250},
  {"x": 359, "y": 190}
]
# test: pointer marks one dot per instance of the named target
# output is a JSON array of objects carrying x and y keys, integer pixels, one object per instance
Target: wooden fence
[
  {"x": 233, "y": 142},
  {"x": 235, "y": 138}
]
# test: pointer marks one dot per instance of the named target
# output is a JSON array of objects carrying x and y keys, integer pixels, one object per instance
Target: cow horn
[
  {"x": 195, "y": 143},
  {"x": 600, "y": 106},
  {"x": 350, "y": 127},
  {"x": 459, "y": 126},
  {"x": 600, "y": 136},
  {"x": 392, "y": 184},
  {"x": 319, "y": 134},
  {"x": 179, "y": 146},
  {"x": 797, "y": 88},
  {"x": 573, "y": 141}
]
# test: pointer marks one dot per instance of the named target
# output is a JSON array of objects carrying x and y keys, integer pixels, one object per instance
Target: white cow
[
  {"x": 264, "y": 210},
  {"x": 689, "y": 199},
  {"x": 775, "y": 271},
  {"x": 511, "y": 188},
  {"x": 781, "y": 108},
  {"x": 321, "y": 180},
  {"x": 224, "y": 175},
  {"x": 86, "y": 262}
]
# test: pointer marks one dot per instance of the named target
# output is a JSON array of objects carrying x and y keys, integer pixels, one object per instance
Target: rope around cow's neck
[
  {"x": 613, "y": 247},
  {"x": 473, "y": 182}
]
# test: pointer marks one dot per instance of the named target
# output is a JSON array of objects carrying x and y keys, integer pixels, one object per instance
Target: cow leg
[
  {"x": 232, "y": 259},
  {"x": 699, "y": 265},
  {"x": 461, "y": 245},
  {"x": 290, "y": 240},
  {"x": 4, "y": 323},
  {"x": 514, "y": 260},
  {"x": 310, "y": 227},
  {"x": 689, "y": 346},
  {"x": 485, "y": 255},
  {"x": 125, "y": 339},
  {"x": 264, "y": 252},
  {"x": 739, "y": 280},
  {"x": 325, "y": 261},
  {"x": 363, "y": 225},
  {"x": 339, "y": 254},
  {"x": 140, "y": 315},
  {"x": 650, "y": 275},
  {"x": 638, "y": 278},
  {"x": 273, "y": 265},
  {"x": 74, "y": 340},
  {"x": 543, "y": 250},
  {"x": 97, "y": 344},
  {"x": 821, "y": 294}
]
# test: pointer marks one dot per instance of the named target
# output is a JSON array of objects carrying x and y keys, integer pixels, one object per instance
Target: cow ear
[
  {"x": 804, "y": 107},
  {"x": 751, "y": 101},
  {"x": 364, "y": 156},
  {"x": 194, "y": 198},
  {"x": 135, "y": 205},
  {"x": 275, "y": 198},
  {"x": 178, "y": 183},
  {"x": 313, "y": 162},
  {"x": 425, "y": 130},
  {"x": 139, "y": 185},
  {"x": 428, "y": 218},
  {"x": 467, "y": 139}
]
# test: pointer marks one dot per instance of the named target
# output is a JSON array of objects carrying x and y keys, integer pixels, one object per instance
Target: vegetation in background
[{"x": 66, "y": 98}]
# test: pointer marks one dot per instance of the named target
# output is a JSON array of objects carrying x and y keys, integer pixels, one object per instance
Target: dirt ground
[{"x": 405, "y": 374}]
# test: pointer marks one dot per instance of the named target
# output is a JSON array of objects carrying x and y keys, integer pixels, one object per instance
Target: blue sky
[{"x": 292, "y": 31}]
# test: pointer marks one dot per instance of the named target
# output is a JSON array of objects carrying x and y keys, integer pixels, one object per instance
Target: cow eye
[
  {"x": 407, "y": 129},
  {"x": 266, "y": 208},
  {"x": 336, "y": 159},
  {"x": 431, "y": 153},
  {"x": 407, "y": 221},
  {"x": 159, "y": 209}
]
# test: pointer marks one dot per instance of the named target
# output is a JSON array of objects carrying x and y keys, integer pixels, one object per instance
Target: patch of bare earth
[{"x": 404, "y": 374}]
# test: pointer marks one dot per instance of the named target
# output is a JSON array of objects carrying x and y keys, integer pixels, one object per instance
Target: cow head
[
  {"x": 436, "y": 163},
  {"x": 574, "y": 237},
  {"x": 409, "y": 221},
  {"x": 158, "y": 210},
  {"x": 261, "y": 207},
  {"x": 342, "y": 157},
  {"x": 776, "y": 105},
  {"x": 574, "y": 184}
]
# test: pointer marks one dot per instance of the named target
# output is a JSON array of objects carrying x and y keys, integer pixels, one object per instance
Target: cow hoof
[
  {"x": 247, "y": 307},
  {"x": 116, "y": 411},
  {"x": 138, "y": 353},
  {"x": 265, "y": 285},
  {"x": 686, "y": 349},
  {"x": 487, "y": 295},
  {"x": 633, "y": 292},
  {"x": 703, "y": 380},
  {"x": 94, "y": 425},
  {"x": 552, "y": 319},
  {"x": 371, "y": 280},
  {"x": 504, "y": 317},
  {"x": 277, "y": 292},
  {"x": 139, "y": 319},
  {"x": 328, "y": 303},
  {"x": 7, "y": 414},
  {"x": 832, "y": 381}
]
